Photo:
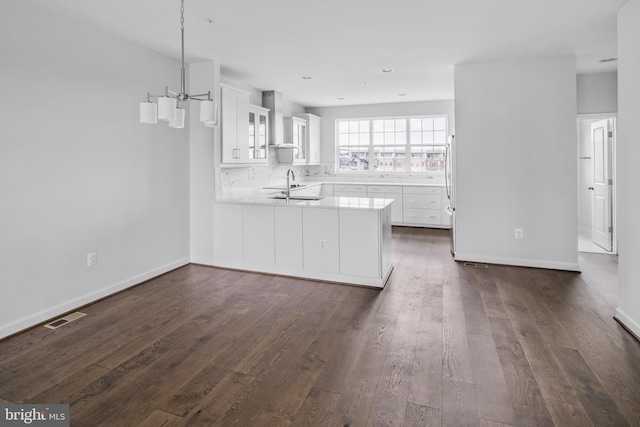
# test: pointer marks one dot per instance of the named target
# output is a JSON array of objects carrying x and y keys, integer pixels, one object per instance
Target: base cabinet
[
  {"x": 288, "y": 238},
  {"x": 423, "y": 206},
  {"x": 321, "y": 240},
  {"x": 335, "y": 244},
  {"x": 228, "y": 245},
  {"x": 393, "y": 192},
  {"x": 258, "y": 234},
  {"x": 349, "y": 190},
  {"x": 413, "y": 205},
  {"x": 359, "y": 243}
]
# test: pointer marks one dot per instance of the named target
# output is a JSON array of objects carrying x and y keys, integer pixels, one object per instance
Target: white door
[{"x": 601, "y": 141}]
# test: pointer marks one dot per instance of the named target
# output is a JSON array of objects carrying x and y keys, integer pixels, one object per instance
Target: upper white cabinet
[
  {"x": 295, "y": 134},
  {"x": 258, "y": 134},
  {"x": 244, "y": 128},
  {"x": 235, "y": 122},
  {"x": 303, "y": 132},
  {"x": 313, "y": 138}
]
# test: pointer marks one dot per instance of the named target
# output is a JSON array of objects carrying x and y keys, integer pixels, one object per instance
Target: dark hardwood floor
[{"x": 442, "y": 345}]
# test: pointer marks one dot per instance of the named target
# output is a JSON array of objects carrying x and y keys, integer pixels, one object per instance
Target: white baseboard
[
  {"x": 371, "y": 282},
  {"x": 50, "y": 313},
  {"x": 202, "y": 260},
  {"x": 565, "y": 266},
  {"x": 626, "y": 321}
]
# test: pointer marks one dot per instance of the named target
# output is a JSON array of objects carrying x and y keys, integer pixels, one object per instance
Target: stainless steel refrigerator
[{"x": 450, "y": 184}]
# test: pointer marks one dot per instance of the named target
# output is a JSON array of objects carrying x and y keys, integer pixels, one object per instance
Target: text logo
[{"x": 34, "y": 415}]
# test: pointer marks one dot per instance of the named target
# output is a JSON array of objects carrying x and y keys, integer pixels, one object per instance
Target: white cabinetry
[
  {"x": 321, "y": 240},
  {"x": 335, "y": 243},
  {"x": 349, "y": 190},
  {"x": 327, "y": 190},
  {"x": 295, "y": 134},
  {"x": 359, "y": 243},
  {"x": 393, "y": 192},
  {"x": 288, "y": 238},
  {"x": 258, "y": 234},
  {"x": 413, "y": 205},
  {"x": 312, "y": 137},
  {"x": 227, "y": 235},
  {"x": 235, "y": 125},
  {"x": 422, "y": 205},
  {"x": 258, "y": 150}
]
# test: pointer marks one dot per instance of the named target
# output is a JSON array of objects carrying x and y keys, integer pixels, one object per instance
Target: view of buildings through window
[{"x": 394, "y": 144}]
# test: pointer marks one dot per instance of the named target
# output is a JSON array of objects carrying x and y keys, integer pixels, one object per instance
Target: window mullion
[
  {"x": 407, "y": 147},
  {"x": 371, "y": 151}
]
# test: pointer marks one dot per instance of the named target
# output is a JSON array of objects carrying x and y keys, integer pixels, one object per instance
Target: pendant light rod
[{"x": 182, "y": 70}]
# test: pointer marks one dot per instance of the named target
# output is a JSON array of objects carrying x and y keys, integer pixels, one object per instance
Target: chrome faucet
[{"x": 293, "y": 175}]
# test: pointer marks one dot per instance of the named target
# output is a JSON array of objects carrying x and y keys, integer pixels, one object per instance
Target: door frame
[{"x": 614, "y": 176}]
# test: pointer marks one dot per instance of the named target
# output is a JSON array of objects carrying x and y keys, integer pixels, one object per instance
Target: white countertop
[
  {"x": 324, "y": 202},
  {"x": 402, "y": 184}
]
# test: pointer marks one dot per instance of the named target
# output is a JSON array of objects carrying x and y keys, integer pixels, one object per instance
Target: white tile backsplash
[{"x": 253, "y": 178}]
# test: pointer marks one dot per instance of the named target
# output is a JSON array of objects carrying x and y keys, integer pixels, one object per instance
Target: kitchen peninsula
[{"x": 338, "y": 239}]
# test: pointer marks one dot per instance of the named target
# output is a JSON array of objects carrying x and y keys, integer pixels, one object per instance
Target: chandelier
[{"x": 169, "y": 106}]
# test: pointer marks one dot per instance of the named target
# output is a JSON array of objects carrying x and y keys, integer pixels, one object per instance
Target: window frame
[{"x": 371, "y": 146}]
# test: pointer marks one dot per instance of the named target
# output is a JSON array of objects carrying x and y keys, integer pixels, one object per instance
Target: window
[{"x": 391, "y": 144}]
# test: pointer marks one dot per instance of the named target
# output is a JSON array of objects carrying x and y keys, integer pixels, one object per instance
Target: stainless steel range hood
[{"x": 272, "y": 100}]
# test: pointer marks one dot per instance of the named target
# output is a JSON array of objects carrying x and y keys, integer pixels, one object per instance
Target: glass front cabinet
[
  {"x": 295, "y": 133},
  {"x": 258, "y": 134}
]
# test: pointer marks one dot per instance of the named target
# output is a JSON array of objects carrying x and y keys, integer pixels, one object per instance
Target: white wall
[
  {"x": 204, "y": 154},
  {"x": 516, "y": 162},
  {"x": 628, "y": 172},
  {"x": 78, "y": 173},
  {"x": 597, "y": 93},
  {"x": 330, "y": 114}
]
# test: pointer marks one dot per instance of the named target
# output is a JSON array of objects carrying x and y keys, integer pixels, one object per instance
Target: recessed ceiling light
[
  {"x": 402, "y": 94},
  {"x": 306, "y": 77},
  {"x": 386, "y": 70},
  {"x": 340, "y": 99},
  {"x": 609, "y": 60}
]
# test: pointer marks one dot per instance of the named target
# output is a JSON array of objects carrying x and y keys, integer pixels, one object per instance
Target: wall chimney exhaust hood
[{"x": 272, "y": 100}]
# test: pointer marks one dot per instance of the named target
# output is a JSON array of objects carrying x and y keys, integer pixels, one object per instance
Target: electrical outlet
[
  {"x": 92, "y": 259},
  {"x": 323, "y": 244},
  {"x": 519, "y": 233}
]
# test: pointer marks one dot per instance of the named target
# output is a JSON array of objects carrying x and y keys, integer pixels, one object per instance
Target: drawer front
[
  {"x": 422, "y": 216},
  {"x": 424, "y": 201},
  {"x": 349, "y": 194},
  {"x": 384, "y": 189},
  {"x": 422, "y": 190},
  {"x": 346, "y": 188}
]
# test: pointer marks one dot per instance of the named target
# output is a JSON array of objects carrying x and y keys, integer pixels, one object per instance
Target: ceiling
[{"x": 344, "y": 44}]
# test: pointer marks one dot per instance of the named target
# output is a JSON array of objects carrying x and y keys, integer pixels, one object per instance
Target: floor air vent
[
  {"x": 475, "y": 264},
  {"x": 64, "y": 320}
]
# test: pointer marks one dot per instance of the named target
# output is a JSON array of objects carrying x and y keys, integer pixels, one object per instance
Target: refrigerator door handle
[{"x": 446, "y": 170}]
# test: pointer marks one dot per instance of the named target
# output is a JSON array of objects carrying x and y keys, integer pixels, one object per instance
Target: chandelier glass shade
[{"x": 170, "y": 105}]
